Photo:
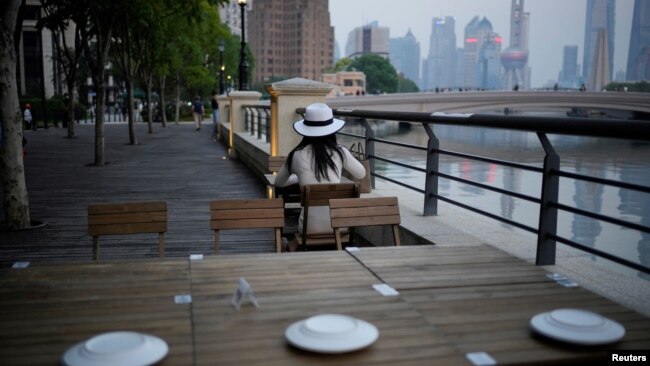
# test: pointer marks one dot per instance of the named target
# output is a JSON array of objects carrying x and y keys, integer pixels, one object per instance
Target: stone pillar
[
  {"x": 224, "y": 116},
  {"x": 286, "y": 96},
  {"x": 237, "y": 115}
]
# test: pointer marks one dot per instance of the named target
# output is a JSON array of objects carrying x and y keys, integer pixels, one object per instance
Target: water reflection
[{"x": 605, "y": 158}]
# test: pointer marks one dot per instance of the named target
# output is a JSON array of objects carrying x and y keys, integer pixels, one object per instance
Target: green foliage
[
  {"x": 407, "y": 86},
  {"x": 342, "y": 64},
  {"x": 53, "y": 108},
  {"x": 638, "y": 87},
  {"x": 381, "y": 76}
]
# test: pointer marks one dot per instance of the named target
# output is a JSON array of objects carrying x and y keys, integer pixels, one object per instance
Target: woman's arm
[
  {"x": 284, "y": 177},
  {"x": 352, "y": 165}
]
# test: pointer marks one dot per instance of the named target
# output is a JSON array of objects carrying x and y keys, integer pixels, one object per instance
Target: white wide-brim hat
[{"x": 319, "y": 121}]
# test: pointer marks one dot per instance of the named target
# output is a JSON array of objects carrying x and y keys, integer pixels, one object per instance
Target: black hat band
[{"x": 318, "y": 123}]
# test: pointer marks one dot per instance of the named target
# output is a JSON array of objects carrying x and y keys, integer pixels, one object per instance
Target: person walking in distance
[
  {"x": 27, "y": 117},
  {"x": 198, "y": 112}
]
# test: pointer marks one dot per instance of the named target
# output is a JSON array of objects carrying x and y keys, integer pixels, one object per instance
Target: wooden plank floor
[{"x": 176, "y": 164}]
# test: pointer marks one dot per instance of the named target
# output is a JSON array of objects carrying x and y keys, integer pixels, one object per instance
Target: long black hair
[{"x": 323, "y": 148}]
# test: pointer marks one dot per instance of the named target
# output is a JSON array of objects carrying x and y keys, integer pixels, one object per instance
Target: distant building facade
[
  {"x": 370, "y": 38},
  {"x": 290, "y": 38},
  {"x": 405, "y": 56},
  {"x": 638, "y": 59},
  {"x": 441, "y": 61},
  {"x": 478, "y": 33},
  {"x": 569, "y": 64},
  {"x": 600, "y": 15},
  {"x": 38, "y": 72},
  {"x": 346, "y": 82}
]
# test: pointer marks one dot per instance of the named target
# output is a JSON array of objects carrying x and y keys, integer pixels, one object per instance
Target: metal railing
[
  {"x": 550, "y": 172},
  {"x": 257, "y": 120}
]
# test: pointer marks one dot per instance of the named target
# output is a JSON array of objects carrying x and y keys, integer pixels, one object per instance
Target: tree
[
  {"x": 381, "y": 76},
  {"x": 60, "y": 15},
  {"x": 12, "y": 171},
  {"x": 407, "y": 86}
]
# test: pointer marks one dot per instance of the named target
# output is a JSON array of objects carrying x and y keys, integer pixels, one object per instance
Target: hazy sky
[{"x": 553, "y": 24}]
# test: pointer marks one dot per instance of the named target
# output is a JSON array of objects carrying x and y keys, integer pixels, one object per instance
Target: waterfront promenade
[{"x": 187, "y": 169}]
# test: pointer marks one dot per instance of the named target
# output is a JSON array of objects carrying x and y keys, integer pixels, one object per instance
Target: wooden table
[{"x": 452, "y": 301}]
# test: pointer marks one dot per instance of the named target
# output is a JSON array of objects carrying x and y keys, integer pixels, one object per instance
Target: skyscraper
[
  {"x": 569, "y": 64},
  {"x": 600, "y": 15},
  {"x": 405, "y": 56},
  {"x": 370, "y": 38},
  {"x": 638, "y": 59},
  {"x": 477, "y": 34},
  {"x": 290, "y": 38},
  {"x": 441, "y": 61},
  {"x": 515, "y": 57}
]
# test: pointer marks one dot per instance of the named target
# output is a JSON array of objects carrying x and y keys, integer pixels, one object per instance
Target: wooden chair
[
  {"x": 245, "y": 214},
  {"x": 127, "y": 218},
  {"x": 319, "y": 195},
  {"x": 364, "y": 212}
]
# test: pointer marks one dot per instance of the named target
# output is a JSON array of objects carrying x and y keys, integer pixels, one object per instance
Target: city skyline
[{"x": 550, "y": 29}]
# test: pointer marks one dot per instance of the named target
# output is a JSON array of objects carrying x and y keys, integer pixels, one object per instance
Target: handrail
[
  {"x": 548, "y": 201},
  {"x": 255, "y": 123}
]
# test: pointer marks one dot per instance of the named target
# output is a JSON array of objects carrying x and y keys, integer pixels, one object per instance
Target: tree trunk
[
  {"x": 12, "y": 171},
  {"x": 149, "y": 106},
  {"x": 133, "y": 140},
  {"x": 177, "y": 100},
  {"x": 99, "y": 117},
  {"x": 71, "y": 103},
  {"x": 163, "y": 108}
]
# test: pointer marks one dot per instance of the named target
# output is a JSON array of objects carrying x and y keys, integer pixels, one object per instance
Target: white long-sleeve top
[
  {"x": 303, "y": 172},
  {"x": 27, "y": 115}
]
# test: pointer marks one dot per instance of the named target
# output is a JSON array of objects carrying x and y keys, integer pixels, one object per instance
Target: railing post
[
  {"x": 431, "y": 179},
  {"x": 268, "y": 124},
  {"x": 547, "y": 208},
  {"x": 238, "y": 117},
  {"x": 259, "y": 123},
  {"x": 370, "y": 149}
]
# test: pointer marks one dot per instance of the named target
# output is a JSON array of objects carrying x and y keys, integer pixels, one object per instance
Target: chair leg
[
  {"x": 396, "y": 235},
  {"x": 161, "y": 244},
  {"x": 216, "y": 242},
  {"x": 278, "y": 240},
  {"x": 337, "y": 238},
  {"x": 95, "y": 248}
]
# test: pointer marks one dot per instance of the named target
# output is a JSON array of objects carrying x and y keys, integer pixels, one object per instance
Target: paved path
[{"x": 175, "y": 164}]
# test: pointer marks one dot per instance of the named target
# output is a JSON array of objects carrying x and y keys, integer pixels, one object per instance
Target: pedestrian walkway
[{"x": 176, "y": 164}]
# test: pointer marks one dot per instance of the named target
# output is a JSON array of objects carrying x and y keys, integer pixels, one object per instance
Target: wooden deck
[{"x": 176, "y": 164}]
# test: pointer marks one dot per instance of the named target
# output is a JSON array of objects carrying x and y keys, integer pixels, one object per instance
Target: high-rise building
[
  {"x": 370, "y": 38},
  {"x": 569, "y": 64},
  {"x": 477, "y": 34},
  {"x": 515, "y": 57},
  {"x": 405, "y": 56},
  {"x": 490, "y": 65},
  {"x": 600, "y": 15},
  {"x": 441, "y": 61},
  {"x": 600, "y": 67},
  {"x": 290, "y": 38},
  {"x": 638, "y": 59}
]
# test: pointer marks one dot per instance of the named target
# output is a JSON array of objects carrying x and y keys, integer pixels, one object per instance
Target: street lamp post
[
  {"x": 243, "y": 63},
  {"x": 222, "y": 46}
]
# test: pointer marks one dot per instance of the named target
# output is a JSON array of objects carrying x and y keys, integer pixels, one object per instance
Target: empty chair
[
  {"x": 315, "y": 201},
  {"x": 364, "y": 212},
  {"x": 127, "y": 218},
  {"x": 245, "y": 214}
]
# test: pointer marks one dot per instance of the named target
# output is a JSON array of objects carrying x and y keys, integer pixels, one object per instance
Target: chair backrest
[
  {"x": 365, "y": 212},
  {"x": 245, "y": 214},
  {"x": 275, "y": 163},
  {"x": 319, "y": 195},
  {"x": 127, "y": 218}
]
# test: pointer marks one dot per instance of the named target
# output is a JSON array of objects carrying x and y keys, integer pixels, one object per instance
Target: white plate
[
  {"x": 331, "y": 333},
  {"x": 116, "y": 348},
  {"x": 577, "y": 326}
]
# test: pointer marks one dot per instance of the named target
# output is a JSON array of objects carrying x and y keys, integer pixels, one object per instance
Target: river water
[{"x": 614, "y": 159}]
